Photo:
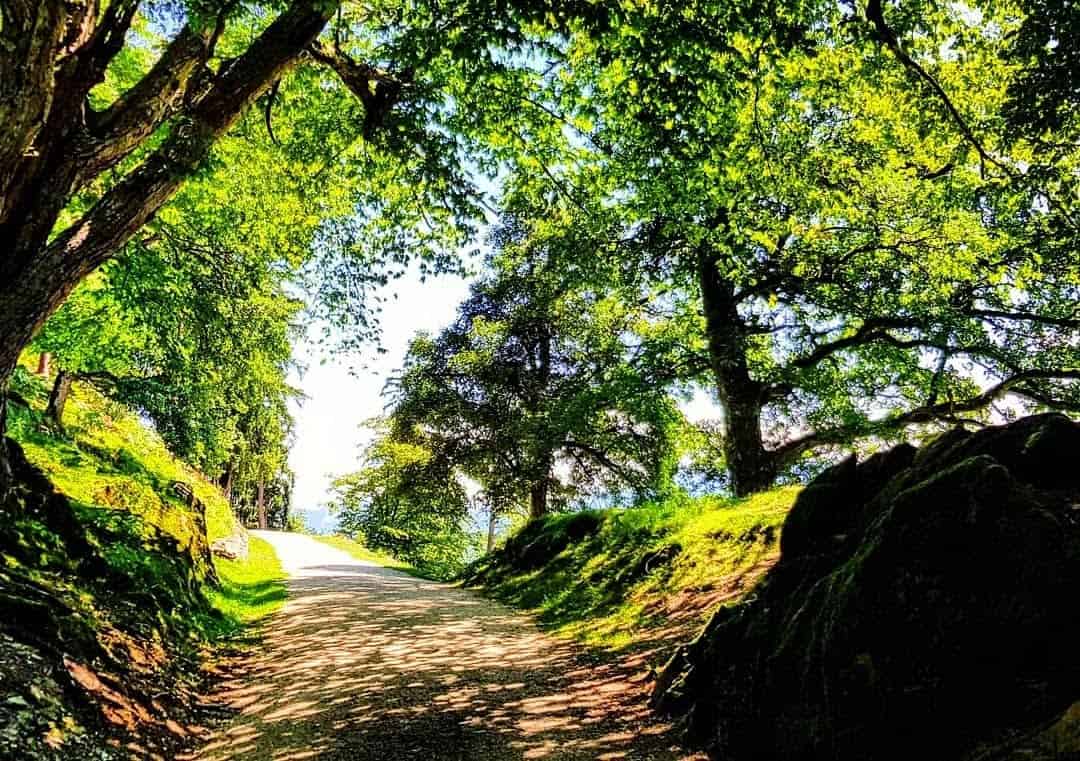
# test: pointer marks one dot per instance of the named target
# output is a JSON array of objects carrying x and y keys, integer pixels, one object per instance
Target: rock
[
  {"x": 924, "y": 605},
  {"x": 831, "y": 506},
  {"x": 1063, "y": 737},
  {"x": 233, "y": 547}
]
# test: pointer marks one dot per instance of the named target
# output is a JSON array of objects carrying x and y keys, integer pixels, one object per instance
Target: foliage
[
  {"x": 406, "y": 503},
  {"x": 626, "y": 577},
  {"x": 107, "y": 457},
  {"x": 847, "y": 242},
  {"x": 124, "y": 477},
  {"x": 534, "y": 391},
  {"x": 199, "y": 339},
  {"x": 104, "y": 574}
]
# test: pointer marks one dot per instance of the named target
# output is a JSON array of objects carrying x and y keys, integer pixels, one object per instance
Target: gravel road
[{"x": 369, "y": 664}]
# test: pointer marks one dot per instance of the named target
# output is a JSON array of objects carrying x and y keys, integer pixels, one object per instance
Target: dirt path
[{"x": 365, "y": 663}]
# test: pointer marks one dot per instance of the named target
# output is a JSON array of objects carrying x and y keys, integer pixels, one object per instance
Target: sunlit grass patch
[
  {"x": 106, "y": 456},
  {"x": 121, "y": 479},
  {"x": 616, "y": 578},
  {"x": 251, "y": 589},
  {"x": 360, "y": 552}
]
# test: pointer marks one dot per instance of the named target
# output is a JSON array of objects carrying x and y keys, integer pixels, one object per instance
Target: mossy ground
[
  {"x": 625, "y": 577},
  {"x": 111, "y": 582},
  {"x": 106, "y": 456}
]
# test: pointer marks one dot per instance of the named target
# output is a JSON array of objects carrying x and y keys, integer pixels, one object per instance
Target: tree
[
  {"x": 406, "y": 501},
  {"x": 100, "y": 134},
  {"x": 827, "y": 197},
  {"x": 57, "y": 143},
  {"x": 537, "y": 375},
  {"x": 161, "y": 328}
]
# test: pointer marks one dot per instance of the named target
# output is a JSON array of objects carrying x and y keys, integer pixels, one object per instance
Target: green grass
[
  {"x": 113, "y": 574},
  {"x": 105, "y": 456},
  {"x": 120, "y": 477},
  {"x": 360, "y": 552},
  {"x": 619, "y": 578},
  {"x": 250, "y": 589}
]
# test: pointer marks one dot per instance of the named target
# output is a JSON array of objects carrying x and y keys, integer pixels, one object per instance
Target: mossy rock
[
  {"x": 923, "y": 606},
  {"x": 541, "y": 540}
]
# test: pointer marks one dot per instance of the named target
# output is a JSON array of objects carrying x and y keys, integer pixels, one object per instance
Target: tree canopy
[
  {"x": 539, "y": 374},
  {"x": 848, "y": 222}
]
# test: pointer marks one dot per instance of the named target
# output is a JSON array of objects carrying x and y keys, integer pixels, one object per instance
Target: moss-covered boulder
[{"x": 925, "y": 606}]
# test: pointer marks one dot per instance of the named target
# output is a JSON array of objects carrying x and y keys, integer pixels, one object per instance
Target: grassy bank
[
  {"x": 620, "y": 578},
  {"x": 105, "y": 456},
  {"x": 250, "y": 589},
  {"x": 112, "y": 600}
]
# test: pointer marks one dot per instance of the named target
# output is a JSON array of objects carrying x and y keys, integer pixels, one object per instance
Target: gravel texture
[{"x": 366, "y": 663}]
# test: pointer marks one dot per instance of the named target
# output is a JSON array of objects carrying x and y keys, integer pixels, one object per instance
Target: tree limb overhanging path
[{"x": 364, "y": 662}]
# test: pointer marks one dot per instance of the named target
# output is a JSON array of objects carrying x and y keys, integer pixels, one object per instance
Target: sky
[{"x": 329, "y": 431}]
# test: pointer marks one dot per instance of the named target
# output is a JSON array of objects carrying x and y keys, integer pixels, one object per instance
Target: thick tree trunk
[
  {"x": 30, "y": 40},
  {"x": 750, "y": 465},
  {"x": 58, "y": 398},
  {"x": 538, "y": 498},
  {"x": 260, "y": 505}
]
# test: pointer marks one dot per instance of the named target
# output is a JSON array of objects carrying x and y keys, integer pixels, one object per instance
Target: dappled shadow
[{"x": 368, "y": 663}]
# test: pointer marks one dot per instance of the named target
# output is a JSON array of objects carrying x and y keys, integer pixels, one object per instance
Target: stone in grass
[{"x": 233, "y": 547}]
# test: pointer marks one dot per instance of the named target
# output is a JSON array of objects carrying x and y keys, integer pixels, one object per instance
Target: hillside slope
[
  {"x": 110, "y": 595},
  {"x": 924, "y": 606},
  {"x": 632, "y": 579}
]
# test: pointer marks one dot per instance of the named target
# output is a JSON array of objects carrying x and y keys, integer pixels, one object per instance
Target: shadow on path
[{"x": 366, "y": 663}]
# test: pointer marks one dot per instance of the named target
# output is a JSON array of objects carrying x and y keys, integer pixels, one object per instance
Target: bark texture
[
  {"x": 260, "y": 506},
  {"x": 54, "y": 144},
  {"x": 58, "y": 397},
  {"x": 538, "y": 498},
  {"x": 751, "y": 466}
]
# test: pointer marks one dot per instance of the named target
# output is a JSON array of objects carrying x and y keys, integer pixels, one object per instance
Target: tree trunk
[
  {"x": 43, "y": 364},
  {"x": 260, "y": 505},
  {"x": 492, "y": 517},
  {"x": 227, "y": 481},
  {"x": 751, "y": 467},
  {"x": 538, "y": 497},
  {"x": 58, "y": 398}
]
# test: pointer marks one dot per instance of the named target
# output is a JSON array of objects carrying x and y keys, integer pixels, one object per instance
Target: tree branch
[
  {"x": 873, "y": 329},
  {"x": 48, "y": 275},
  {"x": 876, "y": 17},
  {"x": 125, "y": 208},
  {"x": 117, "y": 131},
  {"x": 601, "y": 458},
  {"x": 928, "y": 413},
  {"x": 1024, "y": 316},
  {"x": 378, "y": 90}
]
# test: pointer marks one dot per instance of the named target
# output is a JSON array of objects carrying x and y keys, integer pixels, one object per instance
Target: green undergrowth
[
  {"x": 105, "y": 571},
  {"x": 624, "y": 577},
  {"x": 106, "y": 456},
  {"x": 360, "y": 552},
  {"x": 122, "y": 482},
  {"x": 250, "y": 589}
]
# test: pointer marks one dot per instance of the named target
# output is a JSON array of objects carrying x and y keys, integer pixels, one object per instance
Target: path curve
[{"x": 369, "y": 664}]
